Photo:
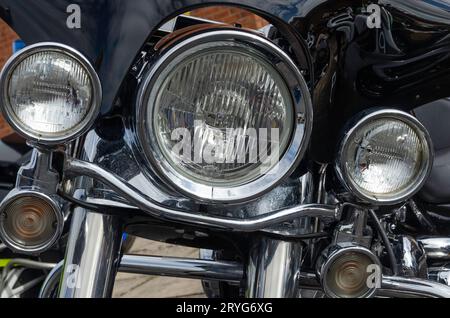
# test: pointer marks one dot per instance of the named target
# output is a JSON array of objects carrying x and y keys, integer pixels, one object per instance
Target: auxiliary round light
[
  {"x": 50, "y": 93},
  {"x": 386, "y": 157}
]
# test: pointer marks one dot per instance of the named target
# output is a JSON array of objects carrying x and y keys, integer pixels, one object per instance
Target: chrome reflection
[
  {"x": 75, "y": 167},
  {"x": 436, "y": 248},
  {"x": 182, "y": 267},
  {"x": 92, "y": 255},
  {"x": 402, "y": 287},
  {"x": 274, "y": 269}
]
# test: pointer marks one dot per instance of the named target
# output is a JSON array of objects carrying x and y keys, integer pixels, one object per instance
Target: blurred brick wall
[
  {"x": 7, "y": 37},
  {"x": 230, "y": 15}
]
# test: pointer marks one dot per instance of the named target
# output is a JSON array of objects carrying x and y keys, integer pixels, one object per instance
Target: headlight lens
[
  {"x": 216, "y": 90},
  {"x": 386, "y": 157},
  {"x": 236, "y": 105},
  {"x": 50, "y": 93}
]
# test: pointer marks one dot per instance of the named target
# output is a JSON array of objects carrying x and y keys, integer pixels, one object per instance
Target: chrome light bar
[
  {"x": 392, "y": 286},
  {"x": 182, "y": 267},
  {"x": 76, "y": 168},
  {"x": 233, "y": 272}
]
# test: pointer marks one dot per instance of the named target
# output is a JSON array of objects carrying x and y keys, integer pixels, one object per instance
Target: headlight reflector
[
  {"x": 222, "y": 98},
  {"x": 239, "y": 103},
  {"x": 386, "y": 157},
  {"x": 50, "y": 93}
]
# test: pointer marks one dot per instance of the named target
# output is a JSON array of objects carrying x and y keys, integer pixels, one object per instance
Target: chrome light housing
[
  {"x": 208, "y": 106},
  {"x": 385, "y": 158},
  {"x": 50, "y": 93}
]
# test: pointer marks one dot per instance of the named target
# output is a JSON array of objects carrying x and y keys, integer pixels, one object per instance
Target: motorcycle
[{"x": 306, "y": 159}]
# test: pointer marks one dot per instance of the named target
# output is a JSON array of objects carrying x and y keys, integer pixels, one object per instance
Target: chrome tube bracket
[
  {"x": 76, "y": 168},
  {"x": 39, "y": 173},
  {"x": 231, "y": 272}
]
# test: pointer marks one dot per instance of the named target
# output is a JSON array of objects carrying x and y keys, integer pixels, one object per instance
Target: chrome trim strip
[
  {"x": 436, "y": 248},
  {"x": 402, "y": 287},
  {"x": 76, "y": 168},
  {"x": 79, "y": 129},
  {"x": 182, "y": 267}
]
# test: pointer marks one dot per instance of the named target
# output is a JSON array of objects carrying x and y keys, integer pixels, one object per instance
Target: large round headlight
[
  {"x": 386, "y": 157},
  {"x": 224, "y": 115},
  {"x": 50, "y": 93}
]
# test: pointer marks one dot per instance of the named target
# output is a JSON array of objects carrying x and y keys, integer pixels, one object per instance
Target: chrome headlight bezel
[
  {"x": 300, "y": 136},
  {"x": 415, "y": 185},
  {"x": 65, "y": 136}
]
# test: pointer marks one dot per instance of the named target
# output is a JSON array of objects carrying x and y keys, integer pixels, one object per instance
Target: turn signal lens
[
  {"x": 346, "y": 271},
  {"x": 347, "y": 276},
  {"x": 30, "y": 223}
]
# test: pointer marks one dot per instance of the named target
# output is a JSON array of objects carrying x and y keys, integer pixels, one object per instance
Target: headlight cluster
[
  {"x": 226, "y": 115},
  {"x": 223, "y": 115},
  {"x": 386, "y": 157},
  {"x": 51, "y": 93}
]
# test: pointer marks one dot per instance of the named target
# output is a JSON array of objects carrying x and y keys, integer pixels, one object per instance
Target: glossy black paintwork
[{"x": 404, "y": 64}]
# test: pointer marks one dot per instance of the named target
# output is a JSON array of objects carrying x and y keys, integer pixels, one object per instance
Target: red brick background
[
  {"x": 7, "y": 37},
  {"x": 217, "y": 13}
]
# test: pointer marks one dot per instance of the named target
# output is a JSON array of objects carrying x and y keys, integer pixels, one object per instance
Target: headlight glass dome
[
  {"x": 223, "y": 115},
  {"x": 386, "y": 157},
  {"x": 50, "y": 93},
  {"x": 218, "y": 91}
]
